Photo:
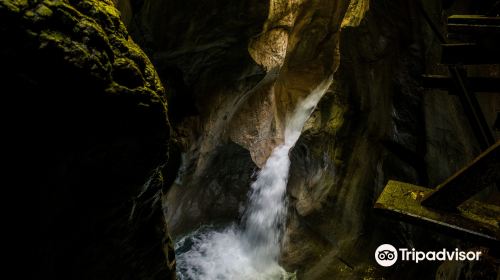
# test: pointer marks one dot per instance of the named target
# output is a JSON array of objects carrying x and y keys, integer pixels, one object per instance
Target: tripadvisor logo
[{"x": 387, "y": 255}]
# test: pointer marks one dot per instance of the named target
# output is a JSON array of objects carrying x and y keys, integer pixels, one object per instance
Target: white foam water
[{"x": 250, "y": 250}]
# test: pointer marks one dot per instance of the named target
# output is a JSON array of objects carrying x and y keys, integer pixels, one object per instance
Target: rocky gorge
[{"x": 158, "y": 116}]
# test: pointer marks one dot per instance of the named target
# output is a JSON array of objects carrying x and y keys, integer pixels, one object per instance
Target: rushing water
[{"x": 250, "y": 250}]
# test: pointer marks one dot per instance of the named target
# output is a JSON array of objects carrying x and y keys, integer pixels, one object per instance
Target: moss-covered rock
[{"x": 95, "y": 109}]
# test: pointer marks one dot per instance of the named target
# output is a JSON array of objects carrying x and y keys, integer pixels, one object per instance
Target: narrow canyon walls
[{"x": 237, "y": 69}]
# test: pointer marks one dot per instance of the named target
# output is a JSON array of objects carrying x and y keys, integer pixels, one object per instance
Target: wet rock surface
[
  {"x": 243, "y": 72},
  {"x": 216, "y": 195},
  {"x": 374, "y": 124}
]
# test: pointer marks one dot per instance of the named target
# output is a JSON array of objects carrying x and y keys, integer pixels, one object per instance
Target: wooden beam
[
  {"x": 456, "y": 54},
  {"x": 476, "y": 84},
  {"x": 474, "y": 26},
  {"x": 472, "y": 109},
  {"x": 474, "y": 220},
  {"x": 481, "y": 173},
  {"x": 474, "y": 29},
  {"x": 474, "y": 19},
  {"x": 469, "y": 53}
]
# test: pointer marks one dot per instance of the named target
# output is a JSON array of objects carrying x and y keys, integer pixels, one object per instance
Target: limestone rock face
[
  {"x": 237, "y": 70},
  {"x": 375, "y": 124},
  {"x": 97, "y": 120}
]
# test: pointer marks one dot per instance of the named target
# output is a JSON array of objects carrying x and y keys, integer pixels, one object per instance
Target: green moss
[
  {"x": 43, "y": 11},
  {"x": 336, "y": 120},
  {"x": 90, "y": 35},
  {"x": 15, "y": 6}
]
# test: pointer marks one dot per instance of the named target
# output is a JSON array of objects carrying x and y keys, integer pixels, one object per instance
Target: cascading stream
[{"x": 250, "y": 251}]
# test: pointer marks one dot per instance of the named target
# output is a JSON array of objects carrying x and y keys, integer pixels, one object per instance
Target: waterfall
[{"x": 250, "y": 250}]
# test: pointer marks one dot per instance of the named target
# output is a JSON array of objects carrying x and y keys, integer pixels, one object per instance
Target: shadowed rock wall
[
  {"x": 96, "y": 117},
  {"x": 241, "y": 68}
]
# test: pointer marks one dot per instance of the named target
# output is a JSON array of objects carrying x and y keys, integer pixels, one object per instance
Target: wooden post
[{"x": 481, "y": 173}]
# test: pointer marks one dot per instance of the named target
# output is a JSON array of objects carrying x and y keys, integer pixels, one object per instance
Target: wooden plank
[
  {"x": 476, "y": 84},
  {"x": 481, "y": 173},
  {"x": 472, "y": 109},
  {"x": 473, "y": 219},
  {"x": 469, "y": 53},
  {"x": 474, "y": 19},
  {"x": 477, "y": 26},
  {"x": 473, "y": 29}
]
